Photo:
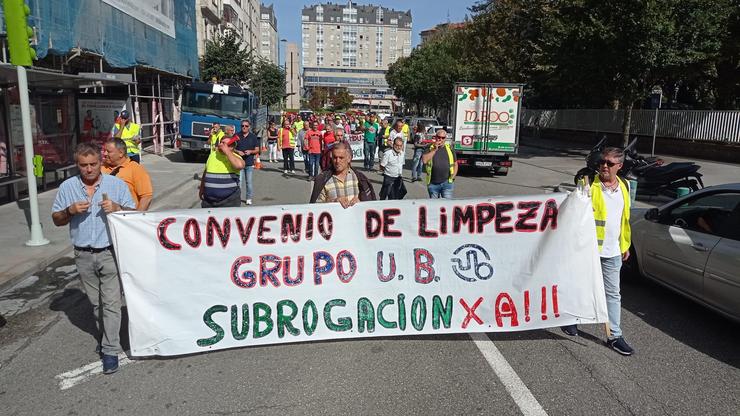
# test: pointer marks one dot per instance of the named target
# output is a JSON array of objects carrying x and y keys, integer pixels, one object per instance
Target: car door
[
  {"x": 722, "y": 274},
  {"x": 678, "y": 244}
]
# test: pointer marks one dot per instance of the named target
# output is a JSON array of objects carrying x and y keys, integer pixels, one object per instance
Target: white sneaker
[
  {"x": 285, "y": 172},
  {"x": 249, "y": 202},
  {"x": 292, "y": 171}
]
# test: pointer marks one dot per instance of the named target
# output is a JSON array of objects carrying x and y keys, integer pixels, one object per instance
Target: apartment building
[
  {"x": 269, "y": 46},
  {"x": 348, "y": 45}
]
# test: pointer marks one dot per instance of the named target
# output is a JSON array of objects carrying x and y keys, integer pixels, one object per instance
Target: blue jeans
[
  {"x": 369, "y": 150},
  {"x": 610, "y": 267},
  {"x": 247, "y": 172},
  {"x": 443, "y": 190},
  {"x": 306, "y": 162},
  {"x": 313, "y": 164},
  {"x": 417, "y": 166}
]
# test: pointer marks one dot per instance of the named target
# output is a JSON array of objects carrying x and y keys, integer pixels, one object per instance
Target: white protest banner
[
  {"x": 355, "y": 142},
  {"x": 200, "y": 280}
]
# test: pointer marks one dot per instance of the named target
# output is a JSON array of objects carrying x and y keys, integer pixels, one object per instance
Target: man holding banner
[
  {"x": 610, "y": 198},
  {"x": 342, "y": 183}
]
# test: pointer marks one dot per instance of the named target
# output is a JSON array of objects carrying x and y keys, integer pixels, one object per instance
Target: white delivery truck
[{"x": 486, "y": 124}]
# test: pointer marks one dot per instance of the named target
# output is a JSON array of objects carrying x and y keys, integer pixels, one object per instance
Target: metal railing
[{"x": 720, "y": 126}]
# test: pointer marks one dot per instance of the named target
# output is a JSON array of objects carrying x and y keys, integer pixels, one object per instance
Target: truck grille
[{"x": 201, "y": 129}]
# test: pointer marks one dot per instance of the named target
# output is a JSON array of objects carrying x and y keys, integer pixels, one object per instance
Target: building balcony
[{"x": 210, "y": 11}]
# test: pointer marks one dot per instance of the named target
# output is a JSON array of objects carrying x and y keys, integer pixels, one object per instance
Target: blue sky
[{"x": 424, "y": 13}]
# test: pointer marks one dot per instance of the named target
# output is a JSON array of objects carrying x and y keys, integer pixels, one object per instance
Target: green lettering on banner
[
  {"x": 261, "y": 313},
  {"x": 207, "y": 319},
  {"x": 342, "y": 324},
  {"x": 381, "y": 319},
  {"x": 440, "y": 311},
  {"x": 239, "y": 335},
  {"x": 365, "y": 315},
  {"x": 418, "y": 312},
  {"x": 401, "y": 312},
  {"x": 310, "y": 327},
  {"x": 286, "y": 322}
]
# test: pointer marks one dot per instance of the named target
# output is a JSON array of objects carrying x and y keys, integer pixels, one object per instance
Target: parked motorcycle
[{"x": 652, "y": 176}]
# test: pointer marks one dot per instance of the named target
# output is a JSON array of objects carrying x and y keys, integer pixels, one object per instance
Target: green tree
[
  {"x": 318, "y": 100},
  {"x": 342, "y": 100},
  {"x": 268, "y": 82},
  {"x": 225, "y": 58}
]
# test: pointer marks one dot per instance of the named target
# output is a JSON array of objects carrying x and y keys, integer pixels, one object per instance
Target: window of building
[{"x": 394, "y": 21}]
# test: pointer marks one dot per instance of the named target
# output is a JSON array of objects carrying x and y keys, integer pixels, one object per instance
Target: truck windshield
[{"x": 201, "y": 102}]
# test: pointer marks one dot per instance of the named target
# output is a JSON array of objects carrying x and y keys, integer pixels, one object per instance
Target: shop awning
[{"x": 44, "y": 78}]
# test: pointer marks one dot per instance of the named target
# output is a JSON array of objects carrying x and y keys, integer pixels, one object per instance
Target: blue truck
[{"x": 206, "y": 103}]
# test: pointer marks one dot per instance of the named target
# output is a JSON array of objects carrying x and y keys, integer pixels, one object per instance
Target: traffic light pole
[{"x": 37, "y": 235}]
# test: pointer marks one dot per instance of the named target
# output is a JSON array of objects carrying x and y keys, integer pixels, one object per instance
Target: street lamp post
[{"x": 284, "y": 66}]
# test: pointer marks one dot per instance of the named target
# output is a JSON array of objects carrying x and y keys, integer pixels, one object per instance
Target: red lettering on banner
[
  {"x": 191, "y": 233},
  {"x": 501, "y": 219},
  {"x": 423, "y": 232},
  {"x": 164, "y": 241},
  {"x": 550, "y": 217},
  {"x": 291, "y": 228},
  {"x": 388, "y": 220},
  {"x": 555, "y": 307},
  {"x": 391, "y": 273},
  {"x": 543, "y": 308},
  {"x": 526, "y": 306},
  {"x": 485, "y": 213},
  {"x": 531, "y": 208},
  {"x": 245, "y": 232},
  {"x": 309, "y": 226},
  {"x": 263, "y": 229},
  {"x": 373, "y": 224},
  {"x": 287, "y": 279},
  {"x": 212, "y": 226},
  {"x": 425, "y": 265},
  {"x": 470, "y": 312},
  {"x": 246, "y": 279},
  {"x": 325, "y": 225},
  {"x": 270, "y": 273},
  {"x": 461, "y": 216},
  {"x": 505, "y": 308}
]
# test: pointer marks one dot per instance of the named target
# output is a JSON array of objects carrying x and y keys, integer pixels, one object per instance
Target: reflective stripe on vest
[
  {"x": 428, "y": 165},
  {"x": 597, "y": 200},
  {"x": 290, "y": 135},
  {"x": 130, "y": 131}
]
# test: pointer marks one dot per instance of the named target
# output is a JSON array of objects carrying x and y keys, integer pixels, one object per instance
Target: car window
[{"x": 717, "y": 214}]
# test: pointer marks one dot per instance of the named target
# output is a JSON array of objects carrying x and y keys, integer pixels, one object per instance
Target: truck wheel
[
  {"x": 188, "y": 155},
  {"x": 501, "y": 171}
]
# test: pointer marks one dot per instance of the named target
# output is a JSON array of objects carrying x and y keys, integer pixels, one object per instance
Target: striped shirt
[{"x": 336, "y": 188}]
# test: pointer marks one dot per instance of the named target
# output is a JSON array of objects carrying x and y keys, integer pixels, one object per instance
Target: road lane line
[
  {"x": 511, "y": 381},
  {"x": 81, "y": 374}
]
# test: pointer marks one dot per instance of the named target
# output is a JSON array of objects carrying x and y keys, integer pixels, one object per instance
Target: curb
[{"x": 66, "y": 248}]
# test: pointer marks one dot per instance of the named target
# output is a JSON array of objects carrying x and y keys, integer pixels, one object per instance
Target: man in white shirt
[{"x": 392, "y": 166}]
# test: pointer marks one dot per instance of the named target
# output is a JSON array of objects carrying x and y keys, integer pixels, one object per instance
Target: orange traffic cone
[{"x": 257, "y": 163}]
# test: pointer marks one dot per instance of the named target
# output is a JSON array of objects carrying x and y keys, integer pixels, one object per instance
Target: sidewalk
[{"x": 174, "y": 187}]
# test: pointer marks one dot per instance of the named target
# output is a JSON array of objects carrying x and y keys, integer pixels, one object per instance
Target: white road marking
[
  {"x": 511, "y": 381},
  {"x": 80, "y": 375}
]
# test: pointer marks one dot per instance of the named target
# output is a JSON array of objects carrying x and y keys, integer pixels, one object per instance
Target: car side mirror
[{"x": 652, "y": 214}]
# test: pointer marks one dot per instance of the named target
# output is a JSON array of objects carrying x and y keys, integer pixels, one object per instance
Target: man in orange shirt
[{"x": 117, "y": 163}]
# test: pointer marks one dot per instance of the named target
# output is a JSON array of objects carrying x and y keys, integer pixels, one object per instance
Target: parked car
[
  {"x": 432, "y": 130},
  {"x": 692, "y": 246}
]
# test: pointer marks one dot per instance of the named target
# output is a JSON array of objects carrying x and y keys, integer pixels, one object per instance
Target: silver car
[{"x": 692, "y": 246}]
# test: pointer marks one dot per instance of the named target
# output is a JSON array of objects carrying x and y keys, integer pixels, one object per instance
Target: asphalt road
[{"x": 686, "y": 359}]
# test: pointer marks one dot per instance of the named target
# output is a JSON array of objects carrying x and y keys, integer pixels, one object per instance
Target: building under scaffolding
[{"x": 95, "y": 58}]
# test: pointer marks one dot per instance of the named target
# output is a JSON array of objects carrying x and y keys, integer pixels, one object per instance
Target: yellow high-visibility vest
[
  {"x": 597, "y": 200},
  {"x": 428, "y": 165}
]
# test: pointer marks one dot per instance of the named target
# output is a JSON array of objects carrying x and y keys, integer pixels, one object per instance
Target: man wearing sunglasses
[
  {"x": 247, "y": 147},
  {"x": 611, "y": 202},
  {"x": 441, "y": 167}
]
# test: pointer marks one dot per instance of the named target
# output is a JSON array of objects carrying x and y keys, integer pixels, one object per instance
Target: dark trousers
[
  {"x": 230, "y": 201},
  {"x": 391, "y": 188},
  {"x": 135, "y": 158},
  {"x": 288, "y": 160},
  {"x": 369, "y": 154}
]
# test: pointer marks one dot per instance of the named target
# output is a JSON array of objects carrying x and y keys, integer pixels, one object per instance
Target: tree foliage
[
  {"x": 342, "y": 100},
  {"x": 584, "y": 53},
  {"x": 225, "y": 58},
  {"x": 268, "y": 82},
  {"x": 319, "y": 99}
]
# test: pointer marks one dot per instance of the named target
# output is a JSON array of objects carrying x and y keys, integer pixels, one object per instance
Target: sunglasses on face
[
  {"x": 245, "y": 125},
  {"x": 607, "y": 163}
]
